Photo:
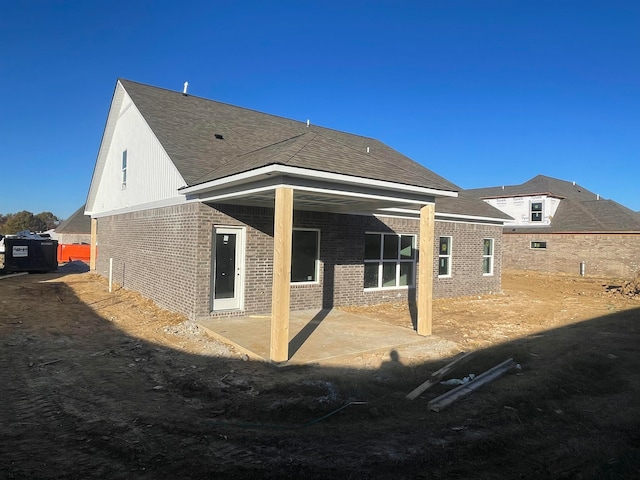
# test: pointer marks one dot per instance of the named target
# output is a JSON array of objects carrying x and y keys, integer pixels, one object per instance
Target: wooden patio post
[
  {"x": 425, "y": 270},
  {"x": 280, "y": 302},
  {"x": 94, "y": 240}
]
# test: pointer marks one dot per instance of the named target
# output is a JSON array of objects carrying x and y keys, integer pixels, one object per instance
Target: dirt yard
[{"x": 100, "y": 385}]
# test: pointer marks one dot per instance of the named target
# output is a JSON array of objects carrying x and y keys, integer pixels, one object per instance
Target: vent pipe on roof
[
  {"x": 184, "y": 90},
  {"x": 367, "y": 149},
  {"x": 574, "y": 183},
  {"x": 503, "y": 187},
  {"x": 597, "y": 196},
  {"x": 308, "y": 122}
]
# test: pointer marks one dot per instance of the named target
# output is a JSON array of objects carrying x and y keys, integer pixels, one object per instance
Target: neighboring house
[
  {"x": 75, "y": 229},
  {"x": 74, "y": 237},
  {"x": 215, "y": 210},
  {"x": 560, "y": 226}
]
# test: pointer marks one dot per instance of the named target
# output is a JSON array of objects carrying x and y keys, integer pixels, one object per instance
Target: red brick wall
[
  {"x": 165, "y": 254},
  {"x": 609, "y": 255}
]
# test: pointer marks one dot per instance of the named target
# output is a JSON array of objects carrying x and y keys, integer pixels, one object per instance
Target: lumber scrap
[
  {"x": 446, "y": 399},
  {"x": 437, "y": 375}
]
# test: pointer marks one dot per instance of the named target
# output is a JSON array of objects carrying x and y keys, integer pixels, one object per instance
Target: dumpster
[
  {"x": 68, "y": 252},
  {"x": 38, "y": 255}
]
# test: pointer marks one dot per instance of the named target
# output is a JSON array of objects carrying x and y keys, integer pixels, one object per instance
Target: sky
[{"x": 484, "y": 93}]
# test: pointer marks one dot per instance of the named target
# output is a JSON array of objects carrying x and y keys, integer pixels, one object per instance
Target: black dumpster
[{"x": 30, "y": 255}]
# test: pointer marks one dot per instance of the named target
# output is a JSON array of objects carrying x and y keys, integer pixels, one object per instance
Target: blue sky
[{"x": 484, "y": 93}]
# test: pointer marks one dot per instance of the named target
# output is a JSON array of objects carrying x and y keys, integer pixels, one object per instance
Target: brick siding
[
  {"x": 165, "y": 254},
  {"x": 606, "y": 254},
  {"x": 466, "y": 260}
]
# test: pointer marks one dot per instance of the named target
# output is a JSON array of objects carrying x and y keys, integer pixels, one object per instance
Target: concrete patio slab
[{"x": 323, "y": 337}]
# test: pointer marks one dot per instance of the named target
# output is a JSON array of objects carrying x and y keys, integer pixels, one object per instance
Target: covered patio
[
  {"x": 323, "y": 337},
  {"x": 284, "y": 188}
]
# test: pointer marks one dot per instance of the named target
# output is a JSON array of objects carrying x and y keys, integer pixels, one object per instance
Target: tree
[
  {"x": 19, "y": 221},
  {"x": 12, "y": 223},
  {"x": 48, "y": 219},
  {"x": 3, "y": 220}
]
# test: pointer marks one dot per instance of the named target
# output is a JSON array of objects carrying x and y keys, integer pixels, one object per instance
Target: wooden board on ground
[{"x": 438, "y": 375}]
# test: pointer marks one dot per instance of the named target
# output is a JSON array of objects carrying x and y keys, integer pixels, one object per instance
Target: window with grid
[
  {"x": 487, "y": 257},
  {"x": 389, "y": 260},
  {"x": 444, "y": 257}
]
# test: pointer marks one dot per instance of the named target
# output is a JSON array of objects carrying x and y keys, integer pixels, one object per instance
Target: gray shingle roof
[
  {"x": 539, "y": 184},
  {"x": 77, "y": 222},
  {"x": 187, "y": 127},
  {"x": 466, "y": 204},
  {"x": 580, "y": 210}
]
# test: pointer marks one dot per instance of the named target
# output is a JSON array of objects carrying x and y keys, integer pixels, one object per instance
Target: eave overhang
[
  {"x": 313, "y": 190},
  {"x": 514, "y": 195}
]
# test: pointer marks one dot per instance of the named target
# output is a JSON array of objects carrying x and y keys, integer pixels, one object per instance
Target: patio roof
[{"x": 314, "y": 190}]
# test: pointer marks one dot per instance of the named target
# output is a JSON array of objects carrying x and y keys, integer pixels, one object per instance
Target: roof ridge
[
  {"x": 185, "y": 124},
  {"x": 399, "y": 167},
  {"x": 226, "y": 104},
  {"x": 273, "y": 144},
  {"x": 230, "y": 159},
  {"x": 291, "y": 157}
]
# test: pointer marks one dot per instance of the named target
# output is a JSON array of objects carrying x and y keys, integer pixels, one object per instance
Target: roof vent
[
  {"x": 597, "y": 196},
  {"x": 184, "y": 89},
  {"x": 219, "y": 136},
  {"x": 573, "y": 183},
  {"x": 308, "y": 123},
  {"x": 367, "y": 149}
]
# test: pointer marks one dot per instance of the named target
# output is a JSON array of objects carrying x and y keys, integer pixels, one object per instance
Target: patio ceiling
[{"x": 315, "y": 191}]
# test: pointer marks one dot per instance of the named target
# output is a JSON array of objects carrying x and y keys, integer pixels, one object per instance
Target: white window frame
[
  {"x": 448, "y": 256},
  {"x": 124, "y": 169},
  {"x": 317, "y": 258},
  {"x": 490, "y": 257},
  {"x": 380, "y": 261}
]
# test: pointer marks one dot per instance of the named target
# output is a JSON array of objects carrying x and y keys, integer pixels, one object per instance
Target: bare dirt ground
[{"x": 100, "y": 385}]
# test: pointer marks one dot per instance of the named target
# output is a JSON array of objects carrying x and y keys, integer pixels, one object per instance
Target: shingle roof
[
  {"x": 466, "y": 204},
  {"x": 539, "y": 184},
  {"x": 208, "y": 140},
  {"x": 78, "y": 222},
  {"x": 580, "y": 210}
]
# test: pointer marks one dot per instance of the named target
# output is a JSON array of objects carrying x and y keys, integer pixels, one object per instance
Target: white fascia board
[
  {"x": 117, "y": 98},
  {"x": 326, "y": 191},
  {"x": 169, "y": 202},
  {"x": 316, "y": 175},
  {"x": 470, "y": 217},
  {"x": 442, "y": 216},
  {"x": 345, "y": 193},
  {"x": 495, "y": 223},
  {"x": 239, "y": 193}
]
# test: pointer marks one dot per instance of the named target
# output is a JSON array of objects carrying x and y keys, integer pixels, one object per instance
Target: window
[
  {"x": 124, "y": 169},
  {"x": 389, "y": 260},
  {"x": 538, "y": 244},
  {"x": 487, "y": 257},
  {"x": 536, "y": 211},
  {"x": 304, "y": 255},
  {"x": 444, "y": 257}
]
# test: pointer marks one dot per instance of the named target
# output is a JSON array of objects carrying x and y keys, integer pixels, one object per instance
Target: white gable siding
[
  {"x": 151, "y": 176},
  {"x": 519, "y": 208}
]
